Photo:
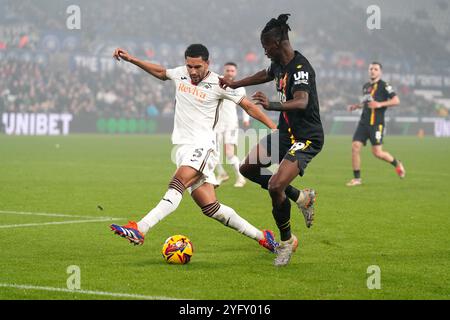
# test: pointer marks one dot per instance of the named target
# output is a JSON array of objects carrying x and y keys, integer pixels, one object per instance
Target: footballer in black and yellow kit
[
  {"x": 378, "y": 95},
  {"x": 299, "y": 137}
]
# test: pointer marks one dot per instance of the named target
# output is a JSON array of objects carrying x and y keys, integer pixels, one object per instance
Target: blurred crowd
[
  {"x": 161, "y": 30},
  {"x": 31, "y": 87}
]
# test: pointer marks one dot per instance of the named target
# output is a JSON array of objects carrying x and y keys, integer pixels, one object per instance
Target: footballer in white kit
[
  {"x": 228, "y": 130},
  {"x": 197, "y": 113},
  {"x": 198, "y": 99}
]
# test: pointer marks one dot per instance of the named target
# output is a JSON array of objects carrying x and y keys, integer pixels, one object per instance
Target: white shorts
[
  {"x": 202, "y": 158},
  {"x": 229, "y": 136}
]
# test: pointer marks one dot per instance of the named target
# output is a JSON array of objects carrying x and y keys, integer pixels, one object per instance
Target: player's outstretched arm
[
  {"x": 155, "y": 70},
  {"x": 257, "y": 78},
  {"x": 254, "y": 112}
]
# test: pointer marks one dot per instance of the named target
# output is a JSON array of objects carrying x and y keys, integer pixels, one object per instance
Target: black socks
[
  {"x": 262, "y": 178},
  {"x": 282, "y": 215}
]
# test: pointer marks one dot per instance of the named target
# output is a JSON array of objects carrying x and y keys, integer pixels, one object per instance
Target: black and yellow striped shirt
[{"x": 379, "y": 91}]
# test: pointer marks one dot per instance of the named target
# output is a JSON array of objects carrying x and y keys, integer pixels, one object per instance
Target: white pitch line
[
  {"x": 88, "y": 292},
  {"x": 46, "y": 214},
  {"x": 56, "y": 223}
]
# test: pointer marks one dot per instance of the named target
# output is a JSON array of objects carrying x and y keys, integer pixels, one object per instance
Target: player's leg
[
  {"x": 293, "y": 164},
  {"x": 233, "y": 159},
  {"x": 378, "y": 152},
  {"x": 356, "y": 158},
  {"x": 376, "y": 139},
  {"x": 359, "y": 140},
  {"x": 254, "y": 168},
  {"x": 222, "y": 175},
  {"x": 205, "y": 197},
  {"x": 230, "y": 141},
  {"x": 183, "y": 178},
  {"x": 281, "y": 209},
  {"x": 281, "y": 206}
]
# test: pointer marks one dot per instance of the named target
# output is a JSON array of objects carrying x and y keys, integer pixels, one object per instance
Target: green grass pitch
[{"x": 402, "y": 226}]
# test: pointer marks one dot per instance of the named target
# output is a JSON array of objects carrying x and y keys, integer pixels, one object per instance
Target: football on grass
[{"x": 177, "y": 249}]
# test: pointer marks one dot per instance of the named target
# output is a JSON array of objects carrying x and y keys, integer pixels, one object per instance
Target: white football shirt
[
  {"x": 228, "y": 119},
  {"x": 197, "y": 106}
]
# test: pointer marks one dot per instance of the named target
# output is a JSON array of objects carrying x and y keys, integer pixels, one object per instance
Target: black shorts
[
  {"x": 303, "y": 151},
  {"x": 374, "y": 133}
]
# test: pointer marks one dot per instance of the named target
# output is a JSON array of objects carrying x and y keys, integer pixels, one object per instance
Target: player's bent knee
[
  {"x": 275, "y": 187},
  {"x": 378, "y": 153},
  {"x": 356, "y": 146}
]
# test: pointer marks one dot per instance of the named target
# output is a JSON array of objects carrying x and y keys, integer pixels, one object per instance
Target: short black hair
[
  {"x": 277, "y": 28},
  {"x": 376, "y": 62},
  {"x": 197, "y": 50},
  {"x": 230, "y": 63}
]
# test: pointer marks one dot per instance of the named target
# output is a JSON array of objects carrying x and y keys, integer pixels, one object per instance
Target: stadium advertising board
[
  {"x": 54, "y": 124},
  {"x": 38, "y": 124},
  {"x": 442, "y": 128}
]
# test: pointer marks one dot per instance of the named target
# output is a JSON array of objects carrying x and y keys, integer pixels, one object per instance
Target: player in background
[
  {"x": 198, "y": 97},
  {"x": 378, "y": 95},
  {"x": 228, "y": 130},
  {"x": 300, "y": 136}
]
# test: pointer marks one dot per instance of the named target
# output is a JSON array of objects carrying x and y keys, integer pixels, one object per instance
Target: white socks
[
  {"x": 228, "y": 217},
  {"x": 222, "y": 213},
  {"x": 166, "y": 206},
  {"x": 234, "y": 160},
  {"x": 220, "y": 169}
]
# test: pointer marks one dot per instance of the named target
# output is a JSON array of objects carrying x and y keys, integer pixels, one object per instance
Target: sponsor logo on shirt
[
  {"x": 192, "y": 90},
  {"x": 389, "y": 88},
  {"x": 301, "y": 77}
]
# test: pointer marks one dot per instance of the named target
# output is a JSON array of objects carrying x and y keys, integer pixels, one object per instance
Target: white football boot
[{"x": 285, "y": 250}]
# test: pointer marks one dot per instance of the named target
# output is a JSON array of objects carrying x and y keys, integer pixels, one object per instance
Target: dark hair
[
  {"x": 277, "y": 28},
  {"x": 375, "y": 62},
  {"x": 197, "y": 50},
  {"x": 230, "y": 63}
]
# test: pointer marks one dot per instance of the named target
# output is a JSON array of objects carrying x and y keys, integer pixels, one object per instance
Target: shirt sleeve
[
  {"x": 301, "y": 79},
  {"x": 389, "y": 90},
  {"x": 174, "y": 73},
  {"x": 234, "y": 95},
  {"x": 245, "y": 116}
]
